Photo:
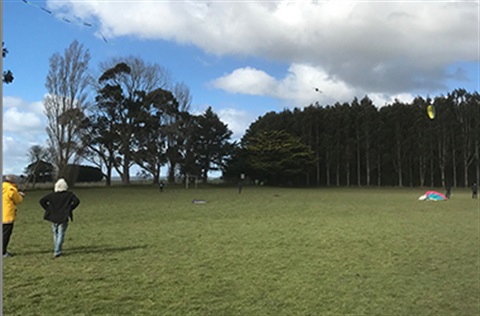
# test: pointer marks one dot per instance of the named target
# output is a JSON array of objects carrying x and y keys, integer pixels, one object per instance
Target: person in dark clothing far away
[
  {"x": 448, "y": 192},
  {"x": 59, "y": 206},
  {"x": 474, "y": 190},
  {"x": 161, "y": 185}
]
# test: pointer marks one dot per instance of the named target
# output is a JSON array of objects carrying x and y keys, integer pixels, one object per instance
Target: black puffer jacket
[{"x": 59, "y": 206}]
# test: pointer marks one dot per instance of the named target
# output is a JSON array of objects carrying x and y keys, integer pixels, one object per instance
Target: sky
[{"x": 243, "y": 58}]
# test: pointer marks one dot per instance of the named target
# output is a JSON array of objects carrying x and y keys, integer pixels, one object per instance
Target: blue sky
[{"x": 244, "y": 58}]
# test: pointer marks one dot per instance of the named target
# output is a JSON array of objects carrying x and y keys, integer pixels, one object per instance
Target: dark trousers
[{"x": 7, "y": 232}]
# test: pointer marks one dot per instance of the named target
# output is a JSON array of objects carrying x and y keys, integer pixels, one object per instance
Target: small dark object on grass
[{"x": 199, "y": 201}]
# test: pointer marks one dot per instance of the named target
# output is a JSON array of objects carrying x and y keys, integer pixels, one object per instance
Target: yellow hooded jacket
[{"x": 11, "y": 198}]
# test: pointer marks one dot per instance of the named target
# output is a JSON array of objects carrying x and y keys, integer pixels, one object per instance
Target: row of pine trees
[{"x": 360, "y": 144}]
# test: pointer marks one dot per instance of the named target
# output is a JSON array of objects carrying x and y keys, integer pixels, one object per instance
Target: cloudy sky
[{"x": 244, "y": 58}]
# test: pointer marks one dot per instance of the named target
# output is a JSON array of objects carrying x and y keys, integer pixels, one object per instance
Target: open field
[{"x": 267, "y": 251}]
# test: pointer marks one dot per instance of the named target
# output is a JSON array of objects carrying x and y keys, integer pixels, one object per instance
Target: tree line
[
  {"x": 359, "y": 144},
  {"x": 131, "y": 113},
  {"x": 137, "y": 116}
]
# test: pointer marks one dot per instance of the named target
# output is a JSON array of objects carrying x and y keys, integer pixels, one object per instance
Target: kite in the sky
[
  {"x": 431, "y": 111},
  {"x": 77, "y": 20},
  {"x": 432, "y": 196},
  {"x": 318, "y": 90}
]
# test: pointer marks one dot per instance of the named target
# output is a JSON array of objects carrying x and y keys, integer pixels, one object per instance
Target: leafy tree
[
  {"x": 38, "y": 170},
  {"x": 466, "y": 109},
  {"x": 443, "y": 126},
  {"x": 420, "y": 153},
  {"x": 398, "y": 144},
  {"x": 101, "y": 144},
  {"x": 86, "y": 173},
  {"x": 122, "y": 110},
  {"x": 277, "y": 157},
  {"x": 369, "y": 132},
  {"x": 210, "y": 139},
  {"x": 7, "y": 75},
  {"x": 65, "y": 106},
  {"x": 154, "y": 137},
  {"x": 42, "y": 171},
  {"x": 236, "y": 164}
]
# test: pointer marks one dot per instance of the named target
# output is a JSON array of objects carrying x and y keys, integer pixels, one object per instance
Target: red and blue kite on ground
[{"x": 433, "y": 196}]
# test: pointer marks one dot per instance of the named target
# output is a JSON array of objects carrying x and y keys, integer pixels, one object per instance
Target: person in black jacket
[{"x": 59, "y": 206}]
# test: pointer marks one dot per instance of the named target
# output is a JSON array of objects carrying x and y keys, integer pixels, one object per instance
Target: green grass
[{"x": 267, "y": 251}]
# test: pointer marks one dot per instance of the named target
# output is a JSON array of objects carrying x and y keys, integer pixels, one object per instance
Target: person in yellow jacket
[{"x": 11, "y": 197}]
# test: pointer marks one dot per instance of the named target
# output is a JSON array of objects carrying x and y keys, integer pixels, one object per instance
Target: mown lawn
[{"x": 267, "y": 251}]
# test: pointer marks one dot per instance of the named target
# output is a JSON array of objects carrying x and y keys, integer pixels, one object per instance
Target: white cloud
[
  {"x": 16, "y": 121},
  {"x": 378, "y": 46},
  {"x": 381, "y": 99},
  {"x": 237, "y": 121},
  {"x": 12, "y": 102},
  {"x": 22, "y": 117},
  {"x": 15, "y": 153},
  {"x": 298, "y": 87},
  {"x": 23, "y": 126},
  {"x": 247, "y": 81}
]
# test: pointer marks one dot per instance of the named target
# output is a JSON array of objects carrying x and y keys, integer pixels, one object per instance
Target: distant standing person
[
  {"x": 240, "y": 186},
  {"x": 474, "y": 190},
  {"x": 448, "y": 191},
  {"x": 161, "y": 185},
  {"x": 240, "y": 183},
  {"x": 59, "y": 206},
  {"x": 11, "y": 197}
]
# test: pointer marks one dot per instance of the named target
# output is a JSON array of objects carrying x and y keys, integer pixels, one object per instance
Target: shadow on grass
[
  {"x": 85, "y": 250},
  {"x": 102, "y": 249}
]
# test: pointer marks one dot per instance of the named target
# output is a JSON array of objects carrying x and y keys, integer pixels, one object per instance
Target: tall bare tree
[
  {"x": 175, "y": 120},
  {"x": 65, "y": 105},
  {"x": 181, "y": 92}
]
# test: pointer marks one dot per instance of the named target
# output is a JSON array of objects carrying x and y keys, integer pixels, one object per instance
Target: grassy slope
[{"x": 266, "y": 251}]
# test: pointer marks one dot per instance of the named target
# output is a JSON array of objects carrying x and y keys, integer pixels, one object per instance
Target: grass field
[{"x": 267, "y": 251}]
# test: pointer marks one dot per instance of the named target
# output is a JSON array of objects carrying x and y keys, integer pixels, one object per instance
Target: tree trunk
[
  {"x": 108, "y": 176},
  {"x": 171, "y": 172},
  {"x": 421, "y": 170},
  {"x": 454, "y": 165},
  {"x": 359, "y": 167},
  {"x": 379, "y": 172},
  {"x": 318, "y": 169},
  {"x": 367, "y": 162},
  {"x": 477, "y": 157},
  {"x": 327, "y": 169}
]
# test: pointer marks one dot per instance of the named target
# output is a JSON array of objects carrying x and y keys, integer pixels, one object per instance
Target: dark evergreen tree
[
  {"x": 277, "y": 157},
  {"x": 123, "y": 106},
  {"x": 397, "y": 144},
  {"x": 211, "y": 140}
]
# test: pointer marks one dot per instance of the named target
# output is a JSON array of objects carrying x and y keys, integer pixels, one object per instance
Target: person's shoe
[
  {"x": 7, "y": 254},
  {"x": 56, "y": 255}
]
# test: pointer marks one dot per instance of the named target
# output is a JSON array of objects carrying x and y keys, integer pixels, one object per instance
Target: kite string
[{"x": 65, "y": 19}]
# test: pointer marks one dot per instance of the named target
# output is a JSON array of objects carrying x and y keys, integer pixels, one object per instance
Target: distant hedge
[{"x": 87, "y": 173}]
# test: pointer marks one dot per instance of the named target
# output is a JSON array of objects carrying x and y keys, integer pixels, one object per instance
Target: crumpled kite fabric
[{"x": 433, "y": 196}]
